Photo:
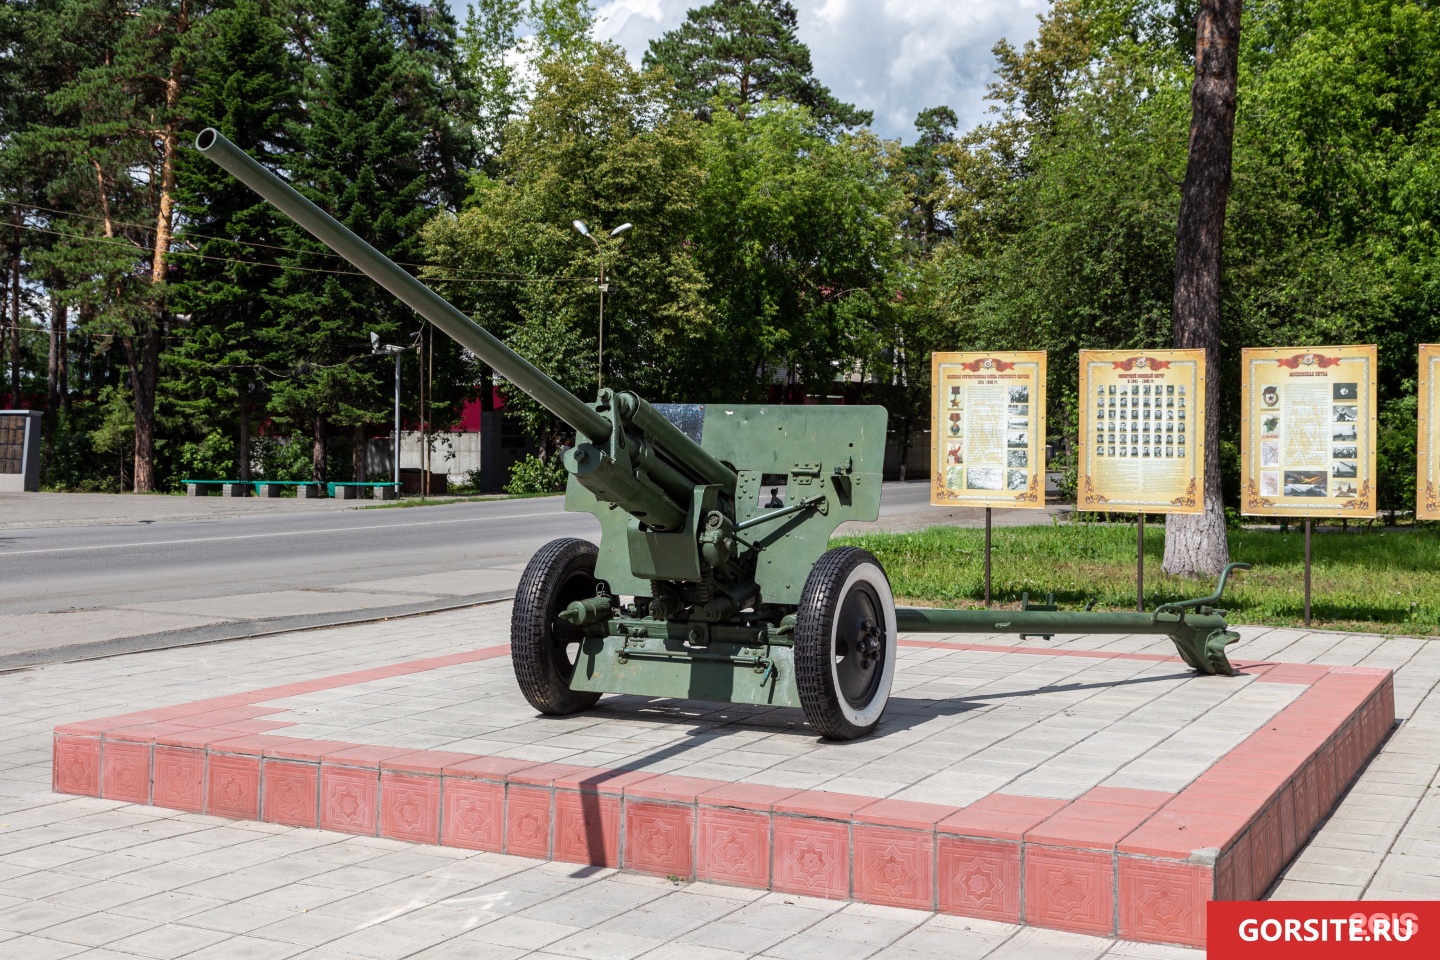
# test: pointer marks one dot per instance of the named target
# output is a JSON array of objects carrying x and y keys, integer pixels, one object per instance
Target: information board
[
  {"x": 1142, "y": 431},
  {"x": 988, "y": 429},
  {"x": 1427, "y": 474},
  {"x": 1307, "y": 440}
]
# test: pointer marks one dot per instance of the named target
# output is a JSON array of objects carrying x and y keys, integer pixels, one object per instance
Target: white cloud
[{"x": 895, "y": 57}]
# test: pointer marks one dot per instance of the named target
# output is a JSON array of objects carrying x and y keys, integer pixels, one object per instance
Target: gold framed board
[
  {"x": 1427, "y": 461},
  {"x": 1142, "y": 431},
  {"x": 987, "y": 429},
  {"x": 1307, "y": 438}
]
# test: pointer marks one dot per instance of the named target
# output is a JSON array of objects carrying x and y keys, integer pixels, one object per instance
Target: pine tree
[
  {"x": 747, "y": 52},
  {"x": 379, "y": 154},
  {"x": 246, "y": 86}
]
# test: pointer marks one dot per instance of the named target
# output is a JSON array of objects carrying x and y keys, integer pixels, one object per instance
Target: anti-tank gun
[{"x": 714, "y": 579}]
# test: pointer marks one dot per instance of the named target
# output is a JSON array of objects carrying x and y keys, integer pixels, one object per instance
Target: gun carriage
[{"x": 714, "y": 578}]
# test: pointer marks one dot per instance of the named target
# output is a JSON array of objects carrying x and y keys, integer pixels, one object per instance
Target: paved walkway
[{"x": 94, "y": 878}]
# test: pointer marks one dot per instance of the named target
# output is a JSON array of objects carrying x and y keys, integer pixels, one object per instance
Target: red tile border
[
  {"x": 474, "y": 815},
  {"x": 733, "y": 847},
  {"x": 893, "y": 866},
  {"x": 292, "y": 793},
  {"x": 1069, "y": 889},
  {"x": 125, "y": 771},
  {"x": 660, "y": 838},
  {"x": 978, "y": 878},
  {"x": 810, "y": 857},
  {"x": 409, "y": 807},
  {"x": 587, "y": 828},
  {"x": 179, "y": 779},
  {"x": 1131, "y": 863},
  {"x": 349, "y": 799}
]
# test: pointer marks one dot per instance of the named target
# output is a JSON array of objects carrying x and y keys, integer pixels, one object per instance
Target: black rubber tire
[
  {"x": 542, "y": 646},
  {"x": 824, "y": 661}
]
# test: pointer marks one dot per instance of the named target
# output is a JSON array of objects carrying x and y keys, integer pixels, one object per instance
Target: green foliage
[
  {"x": 533, "y": 475},
  {"x": 213, "y": 458},
  {"x": 744, "y": 53},
  {"x": 282, "y": 458}
]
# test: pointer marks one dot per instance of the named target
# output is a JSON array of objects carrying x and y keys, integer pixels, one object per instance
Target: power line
[{"x": 498, "y": 275}]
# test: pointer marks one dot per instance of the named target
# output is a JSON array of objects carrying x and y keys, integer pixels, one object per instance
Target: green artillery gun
[{"x": 714, "y": 579}]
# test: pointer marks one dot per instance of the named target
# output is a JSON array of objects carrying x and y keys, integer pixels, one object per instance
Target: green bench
[
  {"x": 352, "y": 491},
  {"x": 240, "y": 488}
]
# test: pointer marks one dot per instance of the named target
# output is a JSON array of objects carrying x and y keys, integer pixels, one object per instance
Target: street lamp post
[
  {"x": 376, "y": 347},
  {"x": 584, "y": 231}
]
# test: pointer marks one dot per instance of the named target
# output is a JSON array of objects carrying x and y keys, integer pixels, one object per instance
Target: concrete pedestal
[
  {"x": 269, "y": 489},
  {"x": 310, "y": 491},
  {"x": 347, "y": 493},
  {"x": 235, "y": 489},
  {"x": 197, "y": 489},
  {"x": 383, "y": 493}
]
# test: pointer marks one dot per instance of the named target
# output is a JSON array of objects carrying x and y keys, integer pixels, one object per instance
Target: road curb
[{"x": 231, "y": 631}]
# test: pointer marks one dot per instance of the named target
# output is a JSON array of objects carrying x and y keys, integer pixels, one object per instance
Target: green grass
[{"x": 1370, "y": 582}]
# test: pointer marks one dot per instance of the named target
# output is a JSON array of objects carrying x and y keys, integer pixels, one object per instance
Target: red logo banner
[
  {"x": 987, "y": 363},
  {"x": 1143, "y": 363},
  {"x": 1322, "y": 929},
  {"x": 1317, "y": 360}
]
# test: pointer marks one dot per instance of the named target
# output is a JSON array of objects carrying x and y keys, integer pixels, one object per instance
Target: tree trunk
[
  {"x": 242, "y": 451},
  {"x": 143, "y": 352},
  {"x": 15, "y": 399},
  {"x": 58, "y": 314},
  {"x": 1195, "y": 543},
  {"x": 357, "y": 454},
  {"x": 317, "y": 450}
]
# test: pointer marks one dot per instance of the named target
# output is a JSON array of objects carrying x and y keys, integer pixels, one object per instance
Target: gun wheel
[
  {"x": 544, "y": 648},
  {"x": 845, "y": 644}
]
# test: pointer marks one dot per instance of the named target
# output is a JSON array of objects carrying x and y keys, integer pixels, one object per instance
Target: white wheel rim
[{"x": 872, "y": 575}]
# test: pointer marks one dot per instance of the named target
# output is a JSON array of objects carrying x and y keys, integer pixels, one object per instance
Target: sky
[{"x": 894, "y": 57}]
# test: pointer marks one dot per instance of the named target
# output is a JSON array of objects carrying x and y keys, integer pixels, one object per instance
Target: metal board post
[
  {"x": 987, "y": 556},
  {"x": 1140, "y": 565},
  {"x": 1307, "y": 571}
]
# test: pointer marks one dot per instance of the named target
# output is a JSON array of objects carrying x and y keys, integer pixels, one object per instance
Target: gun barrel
[{"x": 411, "y": 291}]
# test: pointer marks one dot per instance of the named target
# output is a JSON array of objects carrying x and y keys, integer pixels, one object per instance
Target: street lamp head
[
  {"x": 620, "y": 229},
  {"x": 580, "y": 228}
]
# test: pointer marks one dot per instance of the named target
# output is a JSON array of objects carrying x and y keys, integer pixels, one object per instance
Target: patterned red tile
[
  {"x": 75, "y": 767},
  {"x": 349, "y": 798},
  {"x": 734, "y": 847},
  {"x": 1000, "y": 816},
  {"x": 893, "y": 866},
  {"x": 488, "y": 768},
  {"x": 1163, "y": 902},
  {"x": 544, "y": 774},
  {"x": 745, "y": 796},
  {"x": 810, "y": 857},
  {"x": 587, "y": 828},
  {"x": 976, "y": 878},
  {"x": 179, "y": 779},
  {"x": 820, "y": 803},
  {"x": 1232, "y": 872},
  {"x": 1266, "y": 851},
  {"x": 660, "y": 838},
  {"x": 597, "y": 780},
  {"x": 527, "y": 822},
  {"x": 903, "y": 813},
  {"x": 232, "y": 787},
  {"x": 1069, "y": 889},
  {"x": 126, "y": 769},
  {"x": 409, "y": 807},
  {"x": 291, "y": 790},
  {"x": 432, "y": 762},
  {"x": 474, "y": 815},
  {"x": 670, "y": 788}
]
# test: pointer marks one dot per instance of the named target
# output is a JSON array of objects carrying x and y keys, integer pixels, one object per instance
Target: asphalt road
[{"x": 57, "y": 568}]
